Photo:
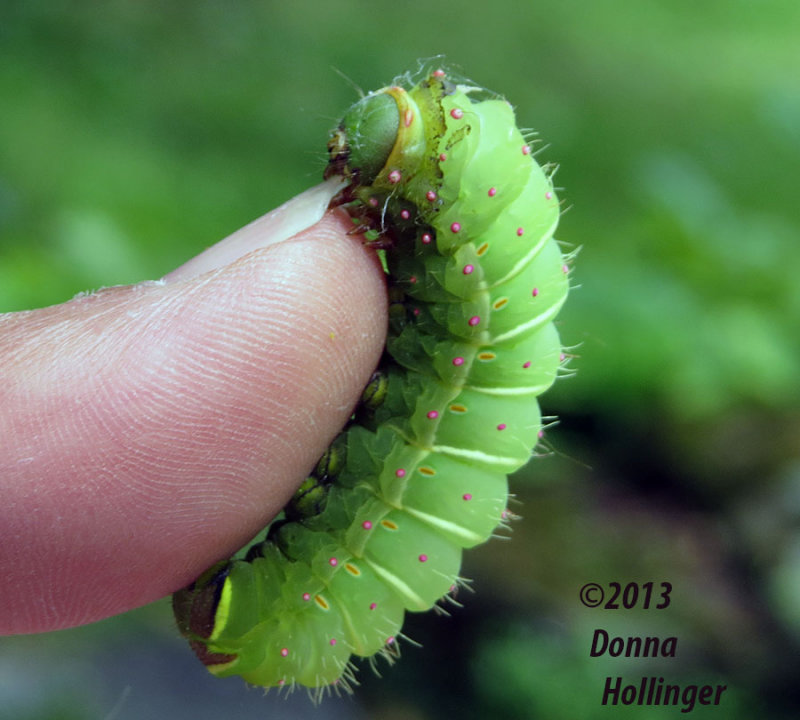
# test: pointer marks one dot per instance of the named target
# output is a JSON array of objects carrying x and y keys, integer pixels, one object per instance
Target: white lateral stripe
[
  {"x": 478, "y": 456},
  {"x": 520, "y": 265},
  {"x": 396, "y": 583},
  {"x": 545, "y": 317},
  {"x": 521, "y": 390},
  {"x": 445, "y": 525}
]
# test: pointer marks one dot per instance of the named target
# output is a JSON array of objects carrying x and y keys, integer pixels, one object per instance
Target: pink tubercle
[
  {"x": 439, "y": 73},
  {"x": 520, "y": 231},
  {"x": 373, "y": 202},
  {"x": 474, "y": 320},
  {"x": 492, "y": 192},
  {"x": 430, "y": 196},
  {"x": 395, "y": 176},
  {"x": 467, "y": 496},
  {"x": 526, "y": 365},
  {"x": 426, "y": 238},
  {"x": 373, "y": 605},
  {"x": 456, "y": 113},
  {"x": 468, "y": 269},
  {"x": 306, "y": 596},
  {"x": 548, "y": 195},
  {"x": 423, "y": 558},
  {"x": 333, "y": 562},
  {"x": 432, "y": 414},
  {"x": 455, "y": 227},
  {"x": 390, "y": 640},
  {"x": 458, "y": 361},
  {"x": 367, "y": 525},
  {"x": 565, "y": 269},
  {"x": 284, "y": 652},
  {"x": 526, "y": 149},
  {"x": 416, "y": 312},
  {"x": 333, "y": 641},
  {"x": 400, "y": 472},
  {"x": 413, "y": 279},
  {"x": 442, "y": 157},
  {"x": 405, "y": 214},
  {"x": 535, "y": 292},
  {"x": 562, "y": 357},
  {"x": 540, "y": 434},
  {"x": 501, "y": 426}
]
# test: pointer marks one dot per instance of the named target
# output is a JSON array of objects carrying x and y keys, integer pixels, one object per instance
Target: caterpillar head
[
  {"x": 360, "y": 146},
  {"x": 380, "y": 140}
]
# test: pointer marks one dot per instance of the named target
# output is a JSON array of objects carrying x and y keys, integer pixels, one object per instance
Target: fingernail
[{"x": 294, "y": 216}]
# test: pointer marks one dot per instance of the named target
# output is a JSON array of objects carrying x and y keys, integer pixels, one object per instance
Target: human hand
[{"x": 148, "y": 431}]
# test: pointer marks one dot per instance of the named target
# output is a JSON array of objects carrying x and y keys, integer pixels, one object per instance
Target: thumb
[{"x": 147, "y": 431}]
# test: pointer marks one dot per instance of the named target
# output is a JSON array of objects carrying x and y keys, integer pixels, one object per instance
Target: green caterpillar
[{"x": 466, "y": 218}]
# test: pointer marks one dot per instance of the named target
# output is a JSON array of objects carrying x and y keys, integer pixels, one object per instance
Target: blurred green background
[{"x": 135, "y": 133}]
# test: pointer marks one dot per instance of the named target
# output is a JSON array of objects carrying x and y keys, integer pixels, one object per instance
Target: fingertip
[
  {"x": 293, "y": 217},
  {"x": 186, "y": 414}
]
